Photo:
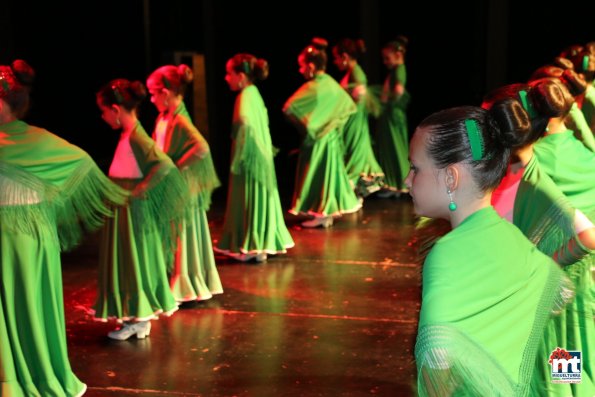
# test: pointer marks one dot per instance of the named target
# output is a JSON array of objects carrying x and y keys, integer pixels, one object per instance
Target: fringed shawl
[{"x": 46, "y": 181}]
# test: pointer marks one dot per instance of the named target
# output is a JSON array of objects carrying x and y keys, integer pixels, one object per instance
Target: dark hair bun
[
  {"x": 319, "y": 43},
  {"x": 23, "y": 72},
  {"x": 138, "y": 90}
]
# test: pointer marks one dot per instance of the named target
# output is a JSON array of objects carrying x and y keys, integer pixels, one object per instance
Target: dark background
[{"x": 457, "y": 52}]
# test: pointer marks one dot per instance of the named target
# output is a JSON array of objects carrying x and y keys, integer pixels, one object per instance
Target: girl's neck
[
  {"x": 128, "y": 122},
  {"x": 524, "y": 155},
  {"x": 555, "y": 126},
  {"x": 6, "y": 115},
  {"x": 174, "y": 103},
  {"x": 7, "y": 119},
  {"x": 466, "y": 208}
]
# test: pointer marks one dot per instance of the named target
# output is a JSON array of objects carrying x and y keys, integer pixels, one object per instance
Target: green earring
[{"x": 452, "y": 206}]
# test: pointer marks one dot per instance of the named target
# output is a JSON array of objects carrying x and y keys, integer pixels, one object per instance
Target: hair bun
[
  {"x": 319, "y": 43},
  {"x": 186, "y": 74},
  {"x": 23, "y": 72}
]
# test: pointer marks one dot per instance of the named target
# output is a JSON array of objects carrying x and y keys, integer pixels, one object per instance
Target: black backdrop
[{"x": 457, "y": 51}]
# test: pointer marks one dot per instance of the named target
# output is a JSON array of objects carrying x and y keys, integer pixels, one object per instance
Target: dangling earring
[
  {"x": 241, "y": 84},
  {"x": 118, "y": 123},
  {"x": 344, "y": 63},
  {"x": 452, "y": 206}
]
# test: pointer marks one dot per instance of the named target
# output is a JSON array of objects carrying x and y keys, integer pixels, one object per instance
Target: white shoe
[
  {"x": 261, "y": 257},
  {"x": 373, "y": 189},
  {"x": 142, "y": 329},
  {"x": 324, "y": 221},
  {"x": 258, "y": 257}
]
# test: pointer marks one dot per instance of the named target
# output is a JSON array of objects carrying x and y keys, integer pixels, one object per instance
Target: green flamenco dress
[
  {"x": 487, "y": 296},
  {"x": 392, "y": 135},
  {"x": 360, "y": 161},
  {"x": 254, "y": 221},
  {"x": 50, "y": 193},
  {"x": 193, "y": 272},
  {"x": 546, "y": 217},
  {"x": 321, "y": 107},
  {"x": 135, "y": 243}
]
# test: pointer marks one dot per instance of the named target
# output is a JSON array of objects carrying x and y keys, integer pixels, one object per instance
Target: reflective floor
[{"x": 336, "y": 316}]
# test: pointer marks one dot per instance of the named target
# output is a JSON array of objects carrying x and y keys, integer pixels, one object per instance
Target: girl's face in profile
[
  {"x": 232, "y": 77},
  {"x": 391, "y": 59},
  {"x": 109, "y": 114},
  {"x": 340, "y": 60},
  {"x": 159, "y": 96},
  {"x": 306, "y": 69},
  {"x": 425, "y": 181}
]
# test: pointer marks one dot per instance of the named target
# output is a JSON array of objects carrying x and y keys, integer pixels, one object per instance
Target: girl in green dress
[
  {"x": 392, "y": 133},
  {"x": 563, "y": 157},
  {"x": 193, "y": 273},
  {"x": 320, "y": 108},
  {"x": 50, "y": 193},
  {"x": 577, "y": 86},
  {"x": 365, "y": 174},
  {"x": 584, "y": 63},
  {"x": 133, "y": 286},
  {"x": 254, "y": 226},
  {"x": 487, "y": 292},
  {"x": 531, "y": 200}
]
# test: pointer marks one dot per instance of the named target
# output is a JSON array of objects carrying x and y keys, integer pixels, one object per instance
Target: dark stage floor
[{"x": 336, "y": 316}]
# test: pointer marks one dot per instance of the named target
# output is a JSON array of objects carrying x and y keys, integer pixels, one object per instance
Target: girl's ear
[
  {"x": 116, "y": 109},
  {"x": 451, "y": 177}
]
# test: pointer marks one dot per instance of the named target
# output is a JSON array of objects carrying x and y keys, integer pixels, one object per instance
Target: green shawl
[
  {"x": 191, "y": 153},
  {"x": 321, "y": 106},
  {"x": 577, "y": 123},
  {"x": 253, "y": 150},
  {"x": 48, "y": 181},
  {"x": 487, "y": 295},
  {"x": 370, "y": 102},
  {"x": 160, "y": 197},
  {"x": 542, "y": 212},
  {"x": 571, "y": 166},
  {"x": 398, "y": 75}
]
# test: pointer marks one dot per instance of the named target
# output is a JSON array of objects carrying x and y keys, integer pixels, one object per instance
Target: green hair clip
[
  {"x": 246, "y": 67},
  {"x": 475, "y": 139},
  {"x": 585, "y": 63},
  {"x": 165, "y": 82},
  {"x": 526, "y": 103},
  {"x": 117, "y": 94}
]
